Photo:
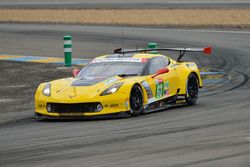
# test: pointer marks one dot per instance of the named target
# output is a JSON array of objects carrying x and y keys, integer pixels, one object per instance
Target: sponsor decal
[
  {"x": 128, "y": 59},
  {"x": 71, "y": 114},
  {"x": 151, "y": 100},
  {"x": 190, "y": 65},
  {"x": 41, "y": 106},
  {"x": 91, "y": 78},
  {"x": 166, "y": 89},
  {"x": 147, "y": 88},
  {"x": 114, "y": 105},
  {"x": 144, "y": 60},
  {"x": 166, "y": 92},
  {"x": 174, "y": 65},
  {"x": 167, "y": 85},
  {"x": 158, "y": 80},
  {"x": 180, "y": 101},
  {"x": 126, "y": 103}
]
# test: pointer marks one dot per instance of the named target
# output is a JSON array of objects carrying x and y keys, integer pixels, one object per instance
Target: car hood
[{"x": 81, "y": 87}]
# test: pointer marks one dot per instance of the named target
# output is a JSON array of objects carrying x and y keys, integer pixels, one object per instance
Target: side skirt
[{"x": 164, "y": 103}]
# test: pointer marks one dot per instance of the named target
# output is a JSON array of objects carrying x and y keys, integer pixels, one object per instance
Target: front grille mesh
[{"x": 72, "y": 108}]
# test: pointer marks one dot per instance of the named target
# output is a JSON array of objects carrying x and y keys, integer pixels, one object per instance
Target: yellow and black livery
[{"x": 125, "y": 82}]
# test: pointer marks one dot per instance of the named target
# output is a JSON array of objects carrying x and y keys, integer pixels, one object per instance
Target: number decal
[
  {"x": 162, "y": 89},
  {"x": 159, "y": 88}
]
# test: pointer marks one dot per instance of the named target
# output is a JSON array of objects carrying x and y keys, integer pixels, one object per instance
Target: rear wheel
[
  {"x": 136, "y": 100},
  {"x": 192, "y": 89}
]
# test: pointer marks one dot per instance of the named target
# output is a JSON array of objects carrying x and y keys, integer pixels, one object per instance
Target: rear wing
[{"x": 207, "y": 50}]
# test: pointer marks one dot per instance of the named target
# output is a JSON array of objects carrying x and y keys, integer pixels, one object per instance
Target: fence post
[
  {"x": 67, "y": 50},
  {"x": 152, "y": 45}
]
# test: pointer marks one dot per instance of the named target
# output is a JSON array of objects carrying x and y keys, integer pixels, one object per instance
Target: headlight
[
  {"x": 112, "y": 89},
  {"x": 46, "y": 89}
]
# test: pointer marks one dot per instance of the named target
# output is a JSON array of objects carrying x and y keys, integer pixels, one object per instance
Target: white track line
[
  {"x": 219, "y": 31},
  {"x": 202, "y": 30}
]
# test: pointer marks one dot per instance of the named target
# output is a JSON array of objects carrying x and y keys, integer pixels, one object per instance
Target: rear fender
[{"x": 183, "y": 71}]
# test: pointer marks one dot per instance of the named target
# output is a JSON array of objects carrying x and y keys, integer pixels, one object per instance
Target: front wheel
[
  {"x": 192, "y": 89},
  {"x": 136, "y": 100}
]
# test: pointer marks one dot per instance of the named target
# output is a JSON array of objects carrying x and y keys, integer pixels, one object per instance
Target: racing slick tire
[
  {"x": 136, "y": 100},
  {"x": 192, "y": 89}
]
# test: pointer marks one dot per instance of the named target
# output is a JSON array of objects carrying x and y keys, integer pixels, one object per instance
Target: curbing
[{"x": 37, "y": 59}]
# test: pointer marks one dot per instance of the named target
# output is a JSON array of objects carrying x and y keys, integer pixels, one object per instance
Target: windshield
[{"x": 106, "y": 69}]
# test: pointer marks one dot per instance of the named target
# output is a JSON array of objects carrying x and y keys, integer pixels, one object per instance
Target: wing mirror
[
  {"x": 160, "y": 71},
  {"x": 75, "y": 72}
]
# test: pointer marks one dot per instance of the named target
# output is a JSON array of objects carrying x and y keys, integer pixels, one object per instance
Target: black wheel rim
[
  {"x": 136, "y": 100},
  {"x": 193, "y": 88}
]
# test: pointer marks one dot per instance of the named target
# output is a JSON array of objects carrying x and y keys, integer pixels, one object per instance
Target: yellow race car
[{"x": 127, "y": 82}]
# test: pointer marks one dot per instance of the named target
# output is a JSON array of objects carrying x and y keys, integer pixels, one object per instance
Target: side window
[
  {"x": 165, "y": 61},
  {"x": 155, "y": 65}
]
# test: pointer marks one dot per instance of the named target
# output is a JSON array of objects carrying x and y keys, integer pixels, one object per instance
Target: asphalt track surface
[
  {"x": 215, "y": 132},
  {"x": 125, "y": 4}
]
